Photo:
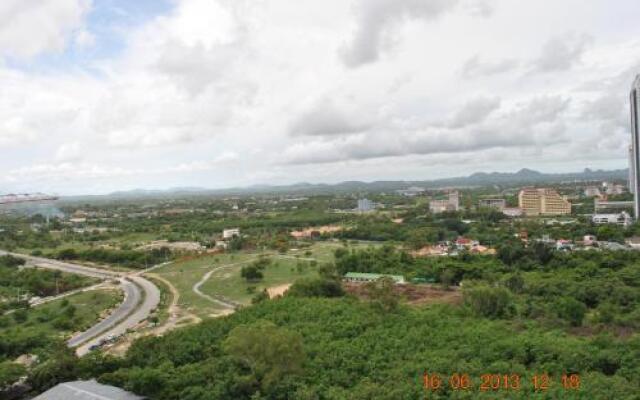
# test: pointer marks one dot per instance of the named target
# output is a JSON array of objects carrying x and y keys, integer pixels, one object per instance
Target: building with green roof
[{"x": 366, "y": 277}]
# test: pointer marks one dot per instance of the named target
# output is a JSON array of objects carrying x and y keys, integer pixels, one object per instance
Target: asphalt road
[
  {"x": 132, "y": 296},
  {"x": 141, "y": 298},
  {"x": 140, "y": 313}
]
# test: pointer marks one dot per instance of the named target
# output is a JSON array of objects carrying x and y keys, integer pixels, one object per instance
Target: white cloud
[
  {"x": 376, "y": 21},
  {"x": 28, "y": 28},
  {"x": 233, "y": 92},
  {"x": 474, "y": 111},
  {"x": 326, "y": 119},
  {"x": 474, "y": 67},
  {"x": 560, "y": 53},
  {"x": 84, "y": 39},
  {"x": 69, "y": 152}
]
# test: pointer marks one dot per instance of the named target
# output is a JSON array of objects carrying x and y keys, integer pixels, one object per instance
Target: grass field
[
  {"x": 64, "y": 316},
  {"x": 225, "y": 279}
]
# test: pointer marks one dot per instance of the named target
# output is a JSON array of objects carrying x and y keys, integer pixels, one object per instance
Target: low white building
[
  {"x": 412, "y": 191},
  {"x": 592, "y": 191},
  {"x": 498, "y": 204},
  {"x": 230, "y": 233},
  {"x": 512, "y": 211},
  {"x": 452, "y": 203},
  {"x": 589, "y": 240},
  {"x": 622, "y": 218},
  {"x": 613, "y": 188}
]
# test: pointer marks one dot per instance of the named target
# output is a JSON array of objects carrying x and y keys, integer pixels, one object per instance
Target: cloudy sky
[{"x": 104, "y": 95}]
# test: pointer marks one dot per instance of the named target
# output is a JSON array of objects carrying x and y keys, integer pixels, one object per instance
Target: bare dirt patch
[
  {"x": 278, "y": 290},
  {"x": 413, "y": 294}
]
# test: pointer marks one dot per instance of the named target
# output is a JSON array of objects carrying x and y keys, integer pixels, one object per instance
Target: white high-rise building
[
  {"x": 365, "y": 205},
  {"x": 632, "y": 179},
  {"x": 635, "y": 144}
]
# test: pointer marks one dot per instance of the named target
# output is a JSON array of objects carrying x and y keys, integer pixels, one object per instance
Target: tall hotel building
[
  {"x": 543, "y": 202},
  {"x": 635, "y": 146}
]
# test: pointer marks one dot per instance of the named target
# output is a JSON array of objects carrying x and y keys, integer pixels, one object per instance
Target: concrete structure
[
  {"x": 498, "y": 204},
  {"x": 613, "y": 188},
  {"x": 365, "y": 277},
  {"x": 622, "y": 218},
  {"x": 86, "y": 390},
  {"x": 452, "y": 203},
  {"x": 542, "y": 201},
  {"x": 633, "y": 242},
  {"x": 600, "y": 205},
  {"x": 592, "y": 191},
  {"x": 589, "y": 240},
  {"x": 635, "y": 142},
  {"x": 616, "y": 189},
  {"x": 230, "y": 233},
  {"x": 365, "y": 205},
  {"x": 512, "y": 212}
]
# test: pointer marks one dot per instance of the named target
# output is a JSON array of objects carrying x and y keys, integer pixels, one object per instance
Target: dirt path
[
  {"x": 205, "y": 278},
  {"x": 177, "y": 316}
]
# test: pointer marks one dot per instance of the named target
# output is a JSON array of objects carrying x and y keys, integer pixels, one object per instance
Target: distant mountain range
[{"x": 479, "y": 179}]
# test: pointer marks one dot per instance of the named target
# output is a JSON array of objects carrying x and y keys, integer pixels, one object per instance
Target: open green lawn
[
  {"x": 284, "y": 269},
  {"x": 225, "y": 280},
  {"x": 184, "y": 274},
  {"x": 73, "y": 313}
]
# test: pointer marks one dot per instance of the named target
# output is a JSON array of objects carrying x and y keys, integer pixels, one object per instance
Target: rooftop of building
[{"x": 86, "y": 390}]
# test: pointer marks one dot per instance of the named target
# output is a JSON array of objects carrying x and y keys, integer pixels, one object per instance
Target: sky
[{"x": 105, "y": 95}]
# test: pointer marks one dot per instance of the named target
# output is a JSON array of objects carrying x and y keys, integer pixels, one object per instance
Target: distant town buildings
[
  {"x": 365, "y": 205},
  {"x": 613, "y": 188},
  {"x": 498, "y": 204},
  {"x": 412, "y": 191},
  {"x": 452, "y": 203},
  {"x": 592, "y": 191},
  {"x": 623, "y": 219},
  {"x": 542, "y": 201}
]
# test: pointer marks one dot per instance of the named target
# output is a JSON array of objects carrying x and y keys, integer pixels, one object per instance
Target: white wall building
[
  {"x": 592, "y": 191},
  {"x": 622, "y": 218},
  {"x": 230, "y": 233},
  {"x": 452, "y": 203},
  {"x": 365, "y": 205},
  {"x": 498, "y": 204}
]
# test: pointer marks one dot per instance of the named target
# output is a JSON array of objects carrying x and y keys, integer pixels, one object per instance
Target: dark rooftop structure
[{"x": 86, "y": 390}]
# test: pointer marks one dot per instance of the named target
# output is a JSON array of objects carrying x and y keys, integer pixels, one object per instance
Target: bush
[
  {"x": 489, "y": 302},
  {"x": 570, "y": 310},
  {"x": 316, "y": 287}
]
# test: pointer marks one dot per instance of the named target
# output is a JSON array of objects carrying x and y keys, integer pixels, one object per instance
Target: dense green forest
[
  {"x": 346, "y": 349},
  {"x": 540, "y": 312}
]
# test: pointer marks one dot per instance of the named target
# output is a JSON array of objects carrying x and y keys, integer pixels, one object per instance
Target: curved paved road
[
  {"x": 141, "y": 298},
  {"x": 132, "y": 295},
  {"x": 140, "y": 312}
]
